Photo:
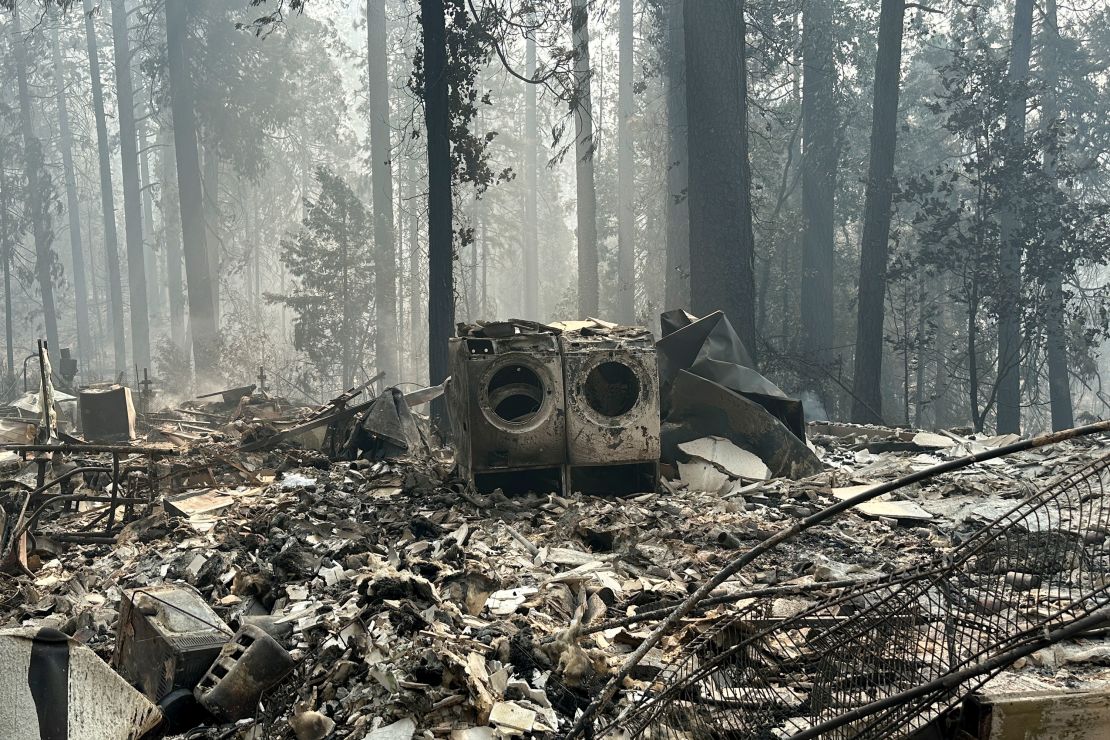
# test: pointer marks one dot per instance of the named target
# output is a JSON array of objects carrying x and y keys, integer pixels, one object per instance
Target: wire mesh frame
[{"x": 1042, "y": 565}]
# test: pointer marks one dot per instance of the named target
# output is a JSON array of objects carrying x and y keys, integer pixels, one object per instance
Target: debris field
[{"x": 335, "y": 576}]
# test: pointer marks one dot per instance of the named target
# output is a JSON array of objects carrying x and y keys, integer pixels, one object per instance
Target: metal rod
[
  {"x": 123, "y": 449},
  {"x": 75, "y": 497},
  {"x": 787, "y": 589},
  {"x": 115, "y": 492}
]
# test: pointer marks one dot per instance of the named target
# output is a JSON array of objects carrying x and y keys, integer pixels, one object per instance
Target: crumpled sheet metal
[
  {"x": 387, "y": 430},
  {"x": 700, "y": 408},
  {"x": 709, "y": 347},
  {"x": 54, "y": 687}
]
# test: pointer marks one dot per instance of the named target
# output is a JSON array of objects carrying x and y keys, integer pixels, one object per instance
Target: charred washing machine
[
  {"x": 507, "y": 405},
  {"x": 612, "y": 405}
]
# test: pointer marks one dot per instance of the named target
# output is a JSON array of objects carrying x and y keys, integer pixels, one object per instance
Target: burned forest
[{"x": 556, "y": 369}]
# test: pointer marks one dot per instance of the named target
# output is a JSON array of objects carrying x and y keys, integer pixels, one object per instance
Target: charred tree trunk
[
  {"x": 156, "y": 297},
  {"x": 385, "y": 245},
  {"x": 346, "y": 349},
  {"x": 35, "y": 171},
  {"x": 100, "y": 342},
  {"x": 582, "y": 108},
  {"x": 483, "y": 305},
  {"x": 6, "y": 250},
  {"x": 171, "y": 229},
  {"x": 202, "y": 318},
  {"x": 531, "y": 178},
  {"x": 437, "y": 121},
  {"x": 677, "y": 283},
  {"x": 107, "y": 197},
  {"x": 416, "y": 297},
  {"x": 132, "y": 194},
  {"x": 73, "y": 215},
  {"x": 1059, "y": 382},
  {"x": 1009, "y": 264},
  {"x": 210, "y": 188},
  {"x": 721, "y": 240},
  {"x": 867, "y": 403},
  {"x": 819, "y": 162},
  {"x": 626, "y": 175}
]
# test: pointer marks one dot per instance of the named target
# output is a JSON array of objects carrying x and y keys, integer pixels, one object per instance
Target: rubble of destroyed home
[{"x": 617, "y": 537}]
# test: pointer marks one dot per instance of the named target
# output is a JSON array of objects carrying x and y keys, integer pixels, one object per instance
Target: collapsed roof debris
[{"x": 272, "y": 571}]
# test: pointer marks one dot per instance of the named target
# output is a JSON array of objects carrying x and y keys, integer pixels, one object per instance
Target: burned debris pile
[{"x": 248, "y": 568}]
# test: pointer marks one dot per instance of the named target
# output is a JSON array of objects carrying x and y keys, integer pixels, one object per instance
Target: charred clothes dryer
[{"x": 612, "y": 406}]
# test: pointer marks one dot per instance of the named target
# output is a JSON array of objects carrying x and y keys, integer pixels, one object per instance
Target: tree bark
[
  {"x": 33, "y": 164},
  {"x": 721, "y": 240},
  {"x": 171, "y": 229},
  {"x": 132, "y": 194},
  {"x": 677, "y": 281},
  {"x": 107, "y": 197},
  {"x": 156, "y": 296},
  {"x": 531, "y": 178},
  {"x": 483, "y": 306},
  {"x": 385, "y": 245},
  {"x": 1009, "y": 301},
  {"x": 819, "y": 164},
  {"x": 416, "y": 298},
  {"x": 202, "y": 318},
  {"x": 6, "y": 250},
  {"x": 867, "y": 378},
  {"x": 437, "y": 115},
  {"x": 1059, "y": 381},
  {"x": 99, "y": 349},
  {"x": 210, "y": 189},
  {"x": 73, "y": 215},
  {"x": 626, "y": 175},
  {"x": 582, "y": 108}
]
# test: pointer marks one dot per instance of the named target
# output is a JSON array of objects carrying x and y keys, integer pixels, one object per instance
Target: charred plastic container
[
  {"x": 249, "y": 664},
  {"x": 506, "y": 398},
  {"x": 168, "y": 636},
  {"x": 611, "y": 379}
]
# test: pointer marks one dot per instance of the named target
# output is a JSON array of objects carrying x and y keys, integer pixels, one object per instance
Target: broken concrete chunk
[
  {"x": 903, "y": 510},
  {"x": 400, "y": 730},
  {"x": 929, "y": 440},
  {"x": 248, "y": 665},
  {"x": 511, "y": 716},
  {"x": 474, "y": 733},
  {"x": 504, "y": 603}
]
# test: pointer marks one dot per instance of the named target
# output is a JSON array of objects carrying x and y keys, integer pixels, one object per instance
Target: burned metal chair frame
[{"x": 121, "y": 474}]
